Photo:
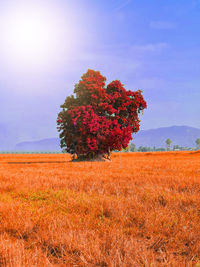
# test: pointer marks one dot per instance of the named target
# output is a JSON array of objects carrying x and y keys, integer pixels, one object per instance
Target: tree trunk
[
  {"x": 109, "y": 153},
  {"x": 98, "y": 157}
]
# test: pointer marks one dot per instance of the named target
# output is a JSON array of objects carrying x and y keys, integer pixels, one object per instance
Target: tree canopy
[
  {"x": 168, "y": 143},
  {"x": 198, "y": 142},
  {"x": 99, "y": 118}
]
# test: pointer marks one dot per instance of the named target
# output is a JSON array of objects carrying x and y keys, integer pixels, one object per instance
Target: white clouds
[
  {"x": 122, "y": 4},
  {"x": 156, "y": 47},
  {"x": 123, "y": 51},
  {"x": 162, "y": 25},
  {"x": 120, "y": 58}
]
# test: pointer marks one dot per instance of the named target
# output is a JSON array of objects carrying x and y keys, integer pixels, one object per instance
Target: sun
[{"x": 29, "y": 34}]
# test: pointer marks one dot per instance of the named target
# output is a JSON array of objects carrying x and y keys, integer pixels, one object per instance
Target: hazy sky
[{"x": 45, "y": 47}]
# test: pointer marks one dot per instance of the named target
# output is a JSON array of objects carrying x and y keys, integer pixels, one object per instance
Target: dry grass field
[{"x": 141, "y": 209}]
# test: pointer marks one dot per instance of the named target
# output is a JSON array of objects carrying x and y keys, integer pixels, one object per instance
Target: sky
[{"x": 46, "y": 46}]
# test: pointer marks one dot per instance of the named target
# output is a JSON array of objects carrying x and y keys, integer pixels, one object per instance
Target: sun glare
[{"x": 30, "y": 35}]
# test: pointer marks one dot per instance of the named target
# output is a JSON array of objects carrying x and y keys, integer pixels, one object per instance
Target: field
[{"x": 141, "y": 209}]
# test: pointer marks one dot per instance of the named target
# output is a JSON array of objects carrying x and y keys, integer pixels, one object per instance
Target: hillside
[
  {"x": 180, "y": 135},
  {"x": 50, "y": 144}
]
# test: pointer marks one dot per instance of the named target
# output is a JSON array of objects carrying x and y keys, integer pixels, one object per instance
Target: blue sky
[{"x": 148, "y": 45}]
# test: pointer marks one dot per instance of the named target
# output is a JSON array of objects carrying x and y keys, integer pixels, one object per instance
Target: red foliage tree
[{"x": 99, "y": 118}]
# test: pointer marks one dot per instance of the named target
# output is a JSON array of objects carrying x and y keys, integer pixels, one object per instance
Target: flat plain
[{"x": 141, "y": 209}]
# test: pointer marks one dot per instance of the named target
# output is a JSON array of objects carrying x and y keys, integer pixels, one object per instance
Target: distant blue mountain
[
  {"x": 180, "y": 135},
  {"x": 50, "y": 144}
]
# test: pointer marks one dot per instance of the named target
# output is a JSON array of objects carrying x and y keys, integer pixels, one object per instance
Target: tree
[
  {"x": 198, "y": 143},
  {"x": 97, "y": 119},
  {"x": 168, "y": 143},
  {"x": 176, "y": 147},
  {"x": 144, "y": 149},
  {"x": 132, "y": 147}
]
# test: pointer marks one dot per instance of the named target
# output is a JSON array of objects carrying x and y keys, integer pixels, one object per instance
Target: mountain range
[
  {"x": 49, "y": 144},
  {"x": 180, "y": 135}
]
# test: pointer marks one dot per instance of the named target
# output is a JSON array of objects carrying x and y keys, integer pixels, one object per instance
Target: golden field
[{"x": 141, "y": 209}]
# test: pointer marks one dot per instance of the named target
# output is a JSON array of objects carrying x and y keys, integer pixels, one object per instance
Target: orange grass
[{"x": 141, "y": 209}]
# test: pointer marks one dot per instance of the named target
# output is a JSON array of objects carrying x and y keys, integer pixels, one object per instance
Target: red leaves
[{"x": 99, "y": 117}]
